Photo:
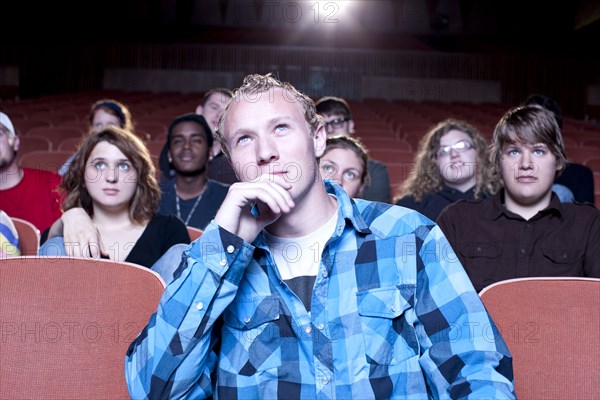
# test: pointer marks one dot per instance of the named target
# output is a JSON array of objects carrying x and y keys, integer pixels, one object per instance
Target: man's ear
[
  {"x": 319, "y": 140},
  {"x": 13, "y": 140},
  {"x": 199, "y": 110},
  {"x": 351, "y": 126},
  {"x": 560, "y": 165}
]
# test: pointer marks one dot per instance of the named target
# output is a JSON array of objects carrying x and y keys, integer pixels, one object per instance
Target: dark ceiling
[{"x": 569, "y": 27}]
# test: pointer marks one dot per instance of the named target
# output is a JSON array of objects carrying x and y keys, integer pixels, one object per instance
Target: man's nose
[
  {"x": 526, "y": 162},
  {"x": 267, "y": 150}
]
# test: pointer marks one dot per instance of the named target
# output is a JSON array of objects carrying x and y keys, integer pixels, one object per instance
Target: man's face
[
  {"x": 268, "y": 138},
  {"x": 528, "y": 171},
  {"x": 337, "y": 124},
  {"x": 9, "y": 144},
  {"x": 213, "y": 108},
  {"x": 189, "y": 148}
]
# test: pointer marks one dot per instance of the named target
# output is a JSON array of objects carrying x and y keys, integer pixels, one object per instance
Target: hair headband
[{"x": 115, "y": 108}]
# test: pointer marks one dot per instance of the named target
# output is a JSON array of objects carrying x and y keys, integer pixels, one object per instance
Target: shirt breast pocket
[
  {"x": 251, "y": 340},
  {"x": 388, "y": 336},
  {"x": 563, "y": 261}
]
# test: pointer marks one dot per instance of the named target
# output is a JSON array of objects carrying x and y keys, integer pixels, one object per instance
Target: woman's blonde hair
[
  {"x": 147, "y": 195},
  {"x": 425, "y": 176}
]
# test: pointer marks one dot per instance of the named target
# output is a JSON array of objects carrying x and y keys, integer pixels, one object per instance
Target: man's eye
[
  {"x": 124, "y": 166},
  {"x": 100, "y": 165},
  {"x": 243, "y": 139},
  {"x": 281, "y": 127}
]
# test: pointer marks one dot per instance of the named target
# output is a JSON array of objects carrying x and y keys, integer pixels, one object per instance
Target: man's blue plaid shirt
[{"x": 393, "y": 315}]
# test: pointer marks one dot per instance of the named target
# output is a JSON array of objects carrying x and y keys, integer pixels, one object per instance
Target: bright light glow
[
  {"x": 334, "y": 9},
  {"x": 329, "y": 14}
]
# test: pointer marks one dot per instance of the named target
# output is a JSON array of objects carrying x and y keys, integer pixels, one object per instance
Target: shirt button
[
  {"x": 324, "y": 380},
  {"x": 223, "y": 262},
  {"x": 393, "y": 308},
  {"x": 308, "y": 329},
  {"x": 523, "y": 251},
  {"x": 230, "y": 249},
  {"x": 320, "y": 327},
  {"x": 324, "y": 273},
  {"x": 246, "y": 320},
  {"x": 200, "y": 305}
]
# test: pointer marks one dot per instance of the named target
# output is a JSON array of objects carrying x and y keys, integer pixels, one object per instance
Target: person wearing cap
[
  {"x": 190, "y": 195},
  {"x": 25, "y": 193}
]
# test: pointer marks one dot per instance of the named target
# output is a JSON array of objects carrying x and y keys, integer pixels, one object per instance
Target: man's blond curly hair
[{"x": 252, "y": 87}]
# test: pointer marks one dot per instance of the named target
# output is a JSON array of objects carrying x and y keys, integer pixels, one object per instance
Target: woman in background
[
  {"x": 103, "y": 113},
  {"x": 112, "y": 179},
  {"x": 450, "y": 165},
  {"x": 345, "y": 162}
]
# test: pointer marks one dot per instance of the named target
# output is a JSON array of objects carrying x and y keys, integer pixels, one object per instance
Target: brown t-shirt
[{"x": 494, "y": 244}]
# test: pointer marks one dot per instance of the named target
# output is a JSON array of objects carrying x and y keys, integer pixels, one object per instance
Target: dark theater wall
[{"x": 514, "y": 43}]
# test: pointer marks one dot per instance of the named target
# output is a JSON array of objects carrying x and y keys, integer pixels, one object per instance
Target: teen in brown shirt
[{"x": 524, "y": 230}]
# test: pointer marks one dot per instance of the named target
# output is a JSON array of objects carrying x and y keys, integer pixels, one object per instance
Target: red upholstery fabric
[
  {"x": 29, "y": 237},
  {"x": 67, "y": 323},
  {"x": 552, "y": 328},
  {"x": 194, "y": 233}
]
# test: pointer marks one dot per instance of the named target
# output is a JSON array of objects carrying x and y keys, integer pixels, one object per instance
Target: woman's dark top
[
  {"x": 432, "y": 204},
  {"x": 162, "y": 232}
]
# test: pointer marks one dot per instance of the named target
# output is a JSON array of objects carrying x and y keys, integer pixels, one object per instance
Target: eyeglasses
[
  {"x": 459, "y": 147},
  {"x": 336, "y": 123}
]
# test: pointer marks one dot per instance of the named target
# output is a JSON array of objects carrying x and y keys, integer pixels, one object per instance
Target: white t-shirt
[{"x": 298, "y": 259}]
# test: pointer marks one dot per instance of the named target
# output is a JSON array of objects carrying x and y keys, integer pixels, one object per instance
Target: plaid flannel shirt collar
[{"x": 347, "y": 214}]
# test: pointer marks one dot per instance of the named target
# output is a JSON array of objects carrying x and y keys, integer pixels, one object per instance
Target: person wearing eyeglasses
[
  {"x": 337, "y": 120},
  {"x": 523, "y": 230},
  {"x": 449, "y": 166}
]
